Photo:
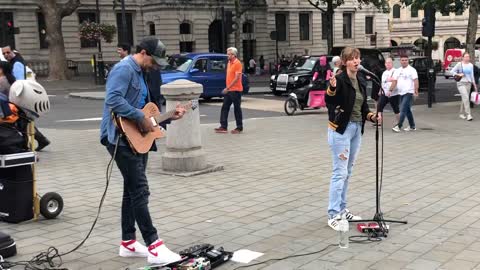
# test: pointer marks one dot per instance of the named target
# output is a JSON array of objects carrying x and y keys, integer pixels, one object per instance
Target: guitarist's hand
[
  {"x": 179, "y": 112},
  {"x": 146, "y": 126}
]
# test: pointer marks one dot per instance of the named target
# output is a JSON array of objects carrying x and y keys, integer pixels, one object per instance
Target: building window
[
  {"x": 281, "y": 26},
  {"x": 186, "y": 46},
  {"x": 247, "y": 27},
  {"x": 324, "y": 26},
  {"x": 304, "y": 26},
  {"x": 129, "y": 32},
  {"x": 396, "y": 11},
  {"x": 185, "y": 28},
  {"x": 414, "y": 12},
  {"x": 369, "y": 25},
  {"x": 42, "y": 31},
  {"x": 87, "y": 17},
  {"x": 347, "y": 25},
  {"x": 151, "y": 29}
]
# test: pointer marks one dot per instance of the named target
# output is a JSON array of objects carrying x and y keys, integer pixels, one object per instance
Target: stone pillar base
[
  {"x": 210, "y": 168},
  {"x": 184, "y": 161}
]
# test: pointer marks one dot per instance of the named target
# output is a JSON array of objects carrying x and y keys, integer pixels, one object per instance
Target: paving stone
[{"x": 422, "y": 264}]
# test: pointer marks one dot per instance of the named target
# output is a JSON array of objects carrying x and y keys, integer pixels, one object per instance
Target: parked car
[
  {"x": 208, "y": 69},
  {"x": 299, "y": 74}
]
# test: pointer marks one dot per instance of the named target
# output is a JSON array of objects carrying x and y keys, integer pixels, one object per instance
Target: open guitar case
[{"x": 8, "y": 247}]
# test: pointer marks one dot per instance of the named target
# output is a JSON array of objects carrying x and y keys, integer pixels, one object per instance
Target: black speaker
[{"x": 16, "y": 194}]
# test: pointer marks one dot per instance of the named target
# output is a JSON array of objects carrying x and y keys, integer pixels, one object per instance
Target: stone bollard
[{"x": 184, "y": 153}]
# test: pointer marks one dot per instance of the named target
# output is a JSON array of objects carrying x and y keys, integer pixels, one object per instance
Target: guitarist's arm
[{"x": 116, "y": 89}]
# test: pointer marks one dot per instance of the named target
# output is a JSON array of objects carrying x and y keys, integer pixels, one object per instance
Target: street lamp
[{"x": 100, "y": 72}]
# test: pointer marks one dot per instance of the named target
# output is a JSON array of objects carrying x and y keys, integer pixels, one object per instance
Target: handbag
[
  {"x": 458, "y": 77},
  {"x": 475, "y": 98}
]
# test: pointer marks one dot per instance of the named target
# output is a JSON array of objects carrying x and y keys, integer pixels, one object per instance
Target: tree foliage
[{"x": 439, "y": 5}]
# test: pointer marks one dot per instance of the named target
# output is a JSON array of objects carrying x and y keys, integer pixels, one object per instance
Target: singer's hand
[
  {"x": 377, "y": 118},
  {"x": 333, "y": 82}
]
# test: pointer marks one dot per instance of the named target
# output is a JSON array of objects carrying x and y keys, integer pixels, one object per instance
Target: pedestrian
[
  {"x": 123, "y": 50},
  {"x": 407, "y": 86},
  {"x": 233, "y": 93},
  {"x": 19, "y": 71},
  {"x": 465, "y": 71},
  {"x": 347, "y": 112},
  {"x": 261, "y": 62},
  {"x": 123, "y": 99},
  {"x": 337, "y": 64},
  {"x": 6, "y": 80},
  {"x": 389, "y": 86},
  {"x": 252, "y": 64}
]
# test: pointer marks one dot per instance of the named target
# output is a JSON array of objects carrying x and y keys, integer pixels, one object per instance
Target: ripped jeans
[{"x": 344, "y": 149}]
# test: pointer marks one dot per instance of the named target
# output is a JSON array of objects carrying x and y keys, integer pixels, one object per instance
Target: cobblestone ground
[{"x": 272, "y": 196}]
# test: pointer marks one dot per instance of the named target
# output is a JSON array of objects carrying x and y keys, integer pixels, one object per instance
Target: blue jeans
[
  {"x": 135, "y": 194},
  {"x": 344, "y": 149},
  {"x": 406, "y": 102},
  {"x": 230, "y": 97}
]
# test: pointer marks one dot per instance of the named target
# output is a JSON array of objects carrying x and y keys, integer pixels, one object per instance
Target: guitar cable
[{"x": 52, "y": 259}]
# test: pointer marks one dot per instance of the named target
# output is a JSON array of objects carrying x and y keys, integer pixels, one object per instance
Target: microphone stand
[{"x": 378, "y": 217}]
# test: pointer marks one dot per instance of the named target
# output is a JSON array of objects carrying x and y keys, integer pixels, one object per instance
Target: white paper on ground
[{"x": 245, "y": 255}]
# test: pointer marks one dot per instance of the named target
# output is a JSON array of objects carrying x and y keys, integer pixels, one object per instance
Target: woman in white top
[{"x": 464, "y": 69}]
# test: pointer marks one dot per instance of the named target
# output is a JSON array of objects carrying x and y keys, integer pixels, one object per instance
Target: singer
[{"x": 347, "y": 112}]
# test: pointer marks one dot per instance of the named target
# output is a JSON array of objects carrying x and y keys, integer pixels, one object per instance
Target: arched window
[
  {"x": 396, "y": 11},
  {"x": 185, "y": 28},
  {"x": 248, "y": 27}
]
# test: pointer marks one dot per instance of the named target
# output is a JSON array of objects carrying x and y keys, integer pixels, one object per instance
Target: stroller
[{"x": 313, "y": 95}]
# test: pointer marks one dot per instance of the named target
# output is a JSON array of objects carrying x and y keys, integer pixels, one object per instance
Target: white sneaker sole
[{"x": 129, "y": 254}]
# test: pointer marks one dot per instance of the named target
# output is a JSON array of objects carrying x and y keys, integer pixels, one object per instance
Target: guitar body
[{"x": 141, "y": 143}]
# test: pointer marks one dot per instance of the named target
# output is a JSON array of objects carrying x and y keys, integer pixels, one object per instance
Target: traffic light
[
  {"x": 230, "y": 25},
  {"x": 10, "y": 28},
  {"x": 428, "y": 22}
]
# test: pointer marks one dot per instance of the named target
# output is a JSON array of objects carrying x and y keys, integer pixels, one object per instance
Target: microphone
[{"x": 362, "y": 69}]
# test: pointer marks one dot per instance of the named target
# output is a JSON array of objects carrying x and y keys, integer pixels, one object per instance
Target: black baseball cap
[{"x": 155, "y": 48}]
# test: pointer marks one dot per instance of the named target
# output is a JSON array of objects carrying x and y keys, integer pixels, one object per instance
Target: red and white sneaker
[
  {"x": 133, "y": 248},
  {"x": 158, "y": 253}
]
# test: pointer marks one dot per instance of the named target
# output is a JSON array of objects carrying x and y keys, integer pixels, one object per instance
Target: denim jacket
[{"x": 123, "y": 93}]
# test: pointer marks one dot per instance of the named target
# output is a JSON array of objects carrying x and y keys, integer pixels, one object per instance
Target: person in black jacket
[{"x": 347, "y": 112}]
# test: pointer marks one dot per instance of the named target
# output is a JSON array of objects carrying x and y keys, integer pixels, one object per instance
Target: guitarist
[{"x": 126, "y": 94}]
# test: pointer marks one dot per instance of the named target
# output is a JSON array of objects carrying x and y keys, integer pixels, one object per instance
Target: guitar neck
[{"x": 165, "y": 116}]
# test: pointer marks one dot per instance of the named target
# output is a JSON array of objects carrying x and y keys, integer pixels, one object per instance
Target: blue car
[{"x": 208, "y": 69}]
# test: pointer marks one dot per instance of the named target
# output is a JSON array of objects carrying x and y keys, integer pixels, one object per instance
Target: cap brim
[{"x": 159, "y": 60}]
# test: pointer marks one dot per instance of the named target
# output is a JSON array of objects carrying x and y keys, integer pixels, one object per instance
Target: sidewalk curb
[{"x": 89, "y": 95}]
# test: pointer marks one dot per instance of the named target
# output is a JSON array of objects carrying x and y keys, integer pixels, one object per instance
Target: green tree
[
  {"x": 54, "y": 11},
  {"x": 331, "y": 5}
]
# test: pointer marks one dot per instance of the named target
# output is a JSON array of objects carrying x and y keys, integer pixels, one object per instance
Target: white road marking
[
  {"x": 81, "y": 120},
  {"x": 93, "y": 119}
]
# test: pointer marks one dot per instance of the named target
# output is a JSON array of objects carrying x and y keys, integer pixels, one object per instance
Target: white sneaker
[
  {"x": 333, "y": 222},
  {"x": 158, "y": 253},
  {"x": 396, "y": 129},
  {"x": 132, "y": 248},
  {"x": 349, "y": 216},
  {"x": 463, "y": 116},
  {"x": 469, "y": 117},
  {"x": 410, "y": 129}
]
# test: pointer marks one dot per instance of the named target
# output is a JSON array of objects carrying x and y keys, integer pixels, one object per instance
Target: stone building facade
[
  {"x": 195, "y": 25},
  {"x": 405, "y": 26}
]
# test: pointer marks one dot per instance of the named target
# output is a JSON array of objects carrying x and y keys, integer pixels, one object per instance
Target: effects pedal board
[{"x": 370, "y": 227}]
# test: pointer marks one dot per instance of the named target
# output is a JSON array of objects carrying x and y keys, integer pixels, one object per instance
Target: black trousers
[{"x": 234, "y": 97}]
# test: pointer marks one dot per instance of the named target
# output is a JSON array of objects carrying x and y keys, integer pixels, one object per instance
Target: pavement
[{"x": 272, "y": 196}]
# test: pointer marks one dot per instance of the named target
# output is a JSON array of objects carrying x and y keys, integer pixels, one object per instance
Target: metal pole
[
  {"x": 101, "y": 73},
  {"x": 223, "y": 37},
  {"x": 431, "y": 73},
  {"x": 124, "y": 24}
]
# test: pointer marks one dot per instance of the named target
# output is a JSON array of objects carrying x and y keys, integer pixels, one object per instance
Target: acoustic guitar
[{"x": 142, "y": 142}]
